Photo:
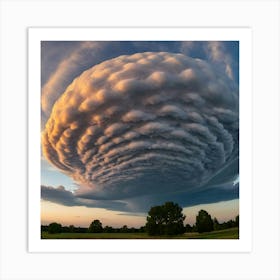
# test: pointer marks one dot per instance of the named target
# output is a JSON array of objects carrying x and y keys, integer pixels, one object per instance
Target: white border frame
[{"x": 243, "y": 35}]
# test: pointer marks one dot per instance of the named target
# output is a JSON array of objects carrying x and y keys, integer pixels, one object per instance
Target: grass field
[{"x": 232, "y": 233}]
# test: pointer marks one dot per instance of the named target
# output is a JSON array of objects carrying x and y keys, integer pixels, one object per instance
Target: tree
[
  {"x": 71, "y": 228},
  {"x": 44, "y": 228},
  {"x": 54, "y": 228},
  {"x": 237, "y": 221},
  {"x": 188, "y": 228},
  {"x": 124, "y": 229},
  {"x": 95, "y": 226},
  {"x": 108, "y": 229},
  {"x": 204, "y": 222},
  {"x": 216, "y": 224},
  {"x": 166, "y": 219},
  {"x": 142, "y": 229}
]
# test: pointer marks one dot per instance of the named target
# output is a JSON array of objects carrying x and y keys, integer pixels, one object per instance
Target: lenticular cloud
[{"x": 148, "y": 123}]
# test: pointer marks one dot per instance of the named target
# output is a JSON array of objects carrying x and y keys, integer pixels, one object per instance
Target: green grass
[{"x": 231, "y": 233}]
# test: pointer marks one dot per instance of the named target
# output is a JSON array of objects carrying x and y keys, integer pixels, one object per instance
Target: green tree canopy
[
  {"x": 204, "y": 222},
  {"x": 216, "y": 224},
  {"x": 237, "y": 221},
  {"x": 54, "y": 228},
  {"x": 71, "y": 228},
  {"x": 95, "y": 226},
  {"x": 166, "y": 219}
]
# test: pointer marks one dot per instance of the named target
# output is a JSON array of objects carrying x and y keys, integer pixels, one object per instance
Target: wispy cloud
[
  {"x": 69, "y": 67},
  {"x": 213, "y": 51},
  {"x": 62, "y": 196},
  {"x": 217, "y": 53}
]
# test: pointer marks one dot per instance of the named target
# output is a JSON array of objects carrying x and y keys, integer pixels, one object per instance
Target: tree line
[
  {"x": 58, "y": 228},
  {"x": 166, "y": 219}
]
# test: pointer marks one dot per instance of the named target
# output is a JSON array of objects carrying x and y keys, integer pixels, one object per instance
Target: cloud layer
[
  {"x": 144, "y": 124},
  {"x": 63, "y": 61},
  {"x": 142, "y": 204},
  {"x": 62, "y": 196}
]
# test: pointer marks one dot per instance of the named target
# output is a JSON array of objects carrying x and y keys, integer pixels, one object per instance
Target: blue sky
[{"x": 187, "y": 174}]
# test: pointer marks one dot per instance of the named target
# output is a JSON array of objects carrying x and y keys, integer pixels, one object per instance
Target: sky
[{"x": 132, "y": 124}]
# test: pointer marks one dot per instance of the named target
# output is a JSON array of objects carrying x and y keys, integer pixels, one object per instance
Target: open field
[{"x": 232, "y": 233}]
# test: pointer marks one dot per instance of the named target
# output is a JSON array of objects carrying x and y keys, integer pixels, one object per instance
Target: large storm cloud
[{"x": 144, "y": 124}]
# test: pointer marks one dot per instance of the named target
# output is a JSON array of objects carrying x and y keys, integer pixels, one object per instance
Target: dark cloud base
[{"x": 143, "y": 203}]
